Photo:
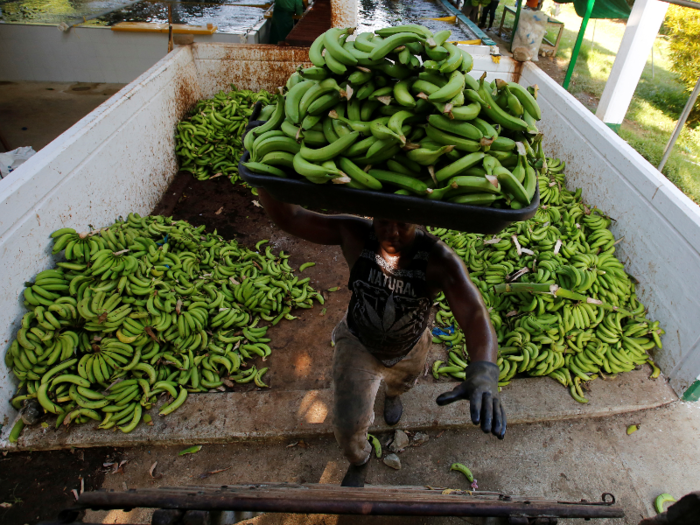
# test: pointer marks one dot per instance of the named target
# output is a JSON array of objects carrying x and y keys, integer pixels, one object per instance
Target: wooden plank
[{"x": 334, "y": 499}]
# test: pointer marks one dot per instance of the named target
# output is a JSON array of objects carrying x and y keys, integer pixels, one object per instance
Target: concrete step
[{"x": 275, "y": 414}]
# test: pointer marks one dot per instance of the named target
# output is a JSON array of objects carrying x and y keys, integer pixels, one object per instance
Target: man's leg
[
  {"x": 356, "y": 380},
  {"x": 492, "y": 13},
  {"x": 401, "y": 377},
  {"x": 467, "y": 8},
  {"x": 482, "y": 20}
]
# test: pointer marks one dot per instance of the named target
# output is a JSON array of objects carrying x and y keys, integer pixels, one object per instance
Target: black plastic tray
[{"x": 404, "y": 208}]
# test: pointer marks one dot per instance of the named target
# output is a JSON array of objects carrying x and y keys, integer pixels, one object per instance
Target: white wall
[
  {"x": 660, "y": 225},
  {"x": 92, "y": 54},
  {"x": 118, "y": 159}
]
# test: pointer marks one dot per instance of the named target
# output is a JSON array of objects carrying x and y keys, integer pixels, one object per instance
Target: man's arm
[
  {"x": 308, "y": 225},
  {"x": 480, "y": 385},
  {"x": 466, "y": 304}
]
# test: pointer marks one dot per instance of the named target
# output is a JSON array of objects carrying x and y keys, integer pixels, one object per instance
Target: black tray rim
[{"x": 260, "y": 181}]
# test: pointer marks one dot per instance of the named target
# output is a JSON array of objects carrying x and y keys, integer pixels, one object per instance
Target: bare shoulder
[
  {"x": 354, "y": 232},
  {"x": 444, "y": 265}
]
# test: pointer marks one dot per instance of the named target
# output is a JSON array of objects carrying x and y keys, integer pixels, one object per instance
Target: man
[
  {"x": 470, "y": 9},
  {"x": 490, "y": 12},
  {"x": 396, "y": 271},
  {"x": 282, "y": 18}
]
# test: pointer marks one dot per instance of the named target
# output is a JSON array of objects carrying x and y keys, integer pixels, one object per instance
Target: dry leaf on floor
[
  {"x": 218, "y": 212},
  {"x": 294, "y": 444},
  {"x": 212, "y": 472},
  {"x": 151, "y": 333},
  {"x": 152, "y": 469},
  {"x": 119, "y": 467}
]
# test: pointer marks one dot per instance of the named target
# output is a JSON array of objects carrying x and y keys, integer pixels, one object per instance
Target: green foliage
[{"x": 683, "y": 28}]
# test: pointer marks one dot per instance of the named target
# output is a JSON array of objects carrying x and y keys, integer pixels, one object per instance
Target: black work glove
[{"x": 480, "y": 387}]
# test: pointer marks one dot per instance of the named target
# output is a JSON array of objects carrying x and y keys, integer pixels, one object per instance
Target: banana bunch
[
  {"x": 150, "y": 306},
  {"x": 209, "y": 140},
  {"x": 397, "y": 111},
  {"x": 560, "y": 301}
]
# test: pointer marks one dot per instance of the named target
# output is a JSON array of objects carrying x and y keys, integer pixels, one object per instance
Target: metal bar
[
  {"x": 556, "y": 46},
  {"x": 684, "y": 3},
  {"x": 519, "y": 8},
  {"x": 170, "y": 28},
  {"x": 4, "y": 142},
  {"x": 679, "y": 125},
  {"x": 577, "y": 45},
  {"x": 344, "y": 501},
  {"x": 179, "y": 2}
]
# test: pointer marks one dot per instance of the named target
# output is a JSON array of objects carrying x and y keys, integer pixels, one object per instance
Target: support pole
[
  {"x": 679, "y": 125},
  {"x": 518, "y": 8},
  {"x": 642, "y": 27},
  {"x": 577, "y": 45}
]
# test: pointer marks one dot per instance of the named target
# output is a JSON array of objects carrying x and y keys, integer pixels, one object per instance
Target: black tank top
[{"x": 390, "y": 307}]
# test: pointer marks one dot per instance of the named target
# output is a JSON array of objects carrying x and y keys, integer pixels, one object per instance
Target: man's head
[{"x": 394, "y": 237}]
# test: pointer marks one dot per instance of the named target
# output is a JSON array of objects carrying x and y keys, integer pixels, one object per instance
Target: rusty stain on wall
[
  {"x": 517, "y": 71},
  {"x": 246, "y": 66},
  {"x": 343, "y": 13}
]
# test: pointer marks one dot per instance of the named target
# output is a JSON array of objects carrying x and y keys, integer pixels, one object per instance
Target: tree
[{"x": 683, "y": 28}]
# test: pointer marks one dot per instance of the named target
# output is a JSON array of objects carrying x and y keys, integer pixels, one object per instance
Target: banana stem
[{"x": 556, "y": 291}]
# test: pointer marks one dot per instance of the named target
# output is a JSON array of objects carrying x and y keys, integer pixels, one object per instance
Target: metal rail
[
  {"x": 679, "y": 125},
  {"x": 684, "y": 3}
]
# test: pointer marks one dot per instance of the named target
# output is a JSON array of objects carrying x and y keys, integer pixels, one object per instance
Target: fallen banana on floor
[{"x": 209, "y": 141}]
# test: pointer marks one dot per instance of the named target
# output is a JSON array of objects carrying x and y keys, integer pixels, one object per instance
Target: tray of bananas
[{"x": 392, "y": 124}]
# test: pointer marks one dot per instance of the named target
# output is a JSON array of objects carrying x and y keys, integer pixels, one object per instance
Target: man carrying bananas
[{"x": 396, "y": 270}]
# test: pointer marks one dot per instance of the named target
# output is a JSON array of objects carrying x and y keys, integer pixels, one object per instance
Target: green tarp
[{"x": 602, "y": 8}]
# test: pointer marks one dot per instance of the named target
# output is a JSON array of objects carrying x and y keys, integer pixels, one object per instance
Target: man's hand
[{"x": 480, "y": 387}]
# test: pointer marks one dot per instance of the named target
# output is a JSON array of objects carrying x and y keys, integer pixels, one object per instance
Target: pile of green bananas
[
  {"x": 147, "y": 306},
  {"x": 397, "y": 110},
  {"x": 560, "y": 301},
  {"x": 209, "y": 140}
]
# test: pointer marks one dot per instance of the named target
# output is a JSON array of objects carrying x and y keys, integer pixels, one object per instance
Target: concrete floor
[
  {"x": 569, "y": 460},
  {"x": 35, "y": 113}
]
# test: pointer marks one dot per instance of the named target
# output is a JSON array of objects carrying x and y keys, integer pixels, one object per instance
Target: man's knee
[{"x": 354, "y": 444}]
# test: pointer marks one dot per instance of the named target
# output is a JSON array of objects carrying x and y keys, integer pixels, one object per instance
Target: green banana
[
  {"x": 528, "y": 102},
  {"x": 463, "y": 129},
  {"x": 454, "y": 86},
  {"x": 331, "y": 41},
  {"x": 401, "y": 181},
  {"x": 495, "y": 113},
  {"x": 331, "y": 151},
  {"x": 427, "y": 157}
]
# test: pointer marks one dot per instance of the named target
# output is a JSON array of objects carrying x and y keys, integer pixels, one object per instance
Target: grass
[{"x": 657, "y": 102}]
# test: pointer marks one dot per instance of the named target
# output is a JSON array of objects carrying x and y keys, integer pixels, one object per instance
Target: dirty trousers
[{"x": 357, "y": 375}]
